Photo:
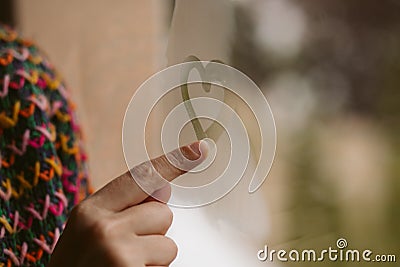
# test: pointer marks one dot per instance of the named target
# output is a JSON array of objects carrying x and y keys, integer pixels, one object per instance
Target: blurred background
[{"x": 329, "y": 69}]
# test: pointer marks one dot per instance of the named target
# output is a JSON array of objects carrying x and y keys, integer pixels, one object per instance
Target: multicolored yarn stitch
[{"x": 42, "y": 171}]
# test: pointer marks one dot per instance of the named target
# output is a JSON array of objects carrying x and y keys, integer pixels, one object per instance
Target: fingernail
[{"x": 196, "y": 148}]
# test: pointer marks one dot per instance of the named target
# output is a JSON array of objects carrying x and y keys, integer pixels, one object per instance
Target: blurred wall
[{"x": 104, "y": 50}]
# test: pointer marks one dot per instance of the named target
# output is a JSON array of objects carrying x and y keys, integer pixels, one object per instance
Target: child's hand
[{"x": 120, "y": 225}]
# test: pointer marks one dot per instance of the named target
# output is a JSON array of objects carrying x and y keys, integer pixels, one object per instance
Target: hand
[{"x": 120, "y": 225}]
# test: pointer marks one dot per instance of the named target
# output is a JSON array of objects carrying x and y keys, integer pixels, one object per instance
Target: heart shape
[{"x": 213, "y": 131}]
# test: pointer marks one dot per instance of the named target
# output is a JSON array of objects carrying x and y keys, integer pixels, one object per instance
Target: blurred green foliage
[{"x": 350, "y": 49}]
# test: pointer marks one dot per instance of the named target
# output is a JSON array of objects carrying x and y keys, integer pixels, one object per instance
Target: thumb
[{"x": 152, "y": 175}]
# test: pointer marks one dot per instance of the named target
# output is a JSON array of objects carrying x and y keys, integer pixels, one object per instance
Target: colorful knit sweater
[{"x": 42, "y": 171}]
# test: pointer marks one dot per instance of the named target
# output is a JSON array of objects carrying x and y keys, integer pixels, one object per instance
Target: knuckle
[
  {"x": 78, "y": 211},
  {"x": 148, "y": 176},
  {"x": 169, "y": 170},
  {"x": 80, "y": 217},
  {"x": 101, "y": 229},
  {"x": 87, "y": 220}
]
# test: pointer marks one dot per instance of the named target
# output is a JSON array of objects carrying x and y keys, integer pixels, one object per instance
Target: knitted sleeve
[{"x": 42, "y": 171}]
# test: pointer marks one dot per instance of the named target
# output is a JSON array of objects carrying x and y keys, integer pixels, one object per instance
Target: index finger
[{"x": 124, "y": 191}]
